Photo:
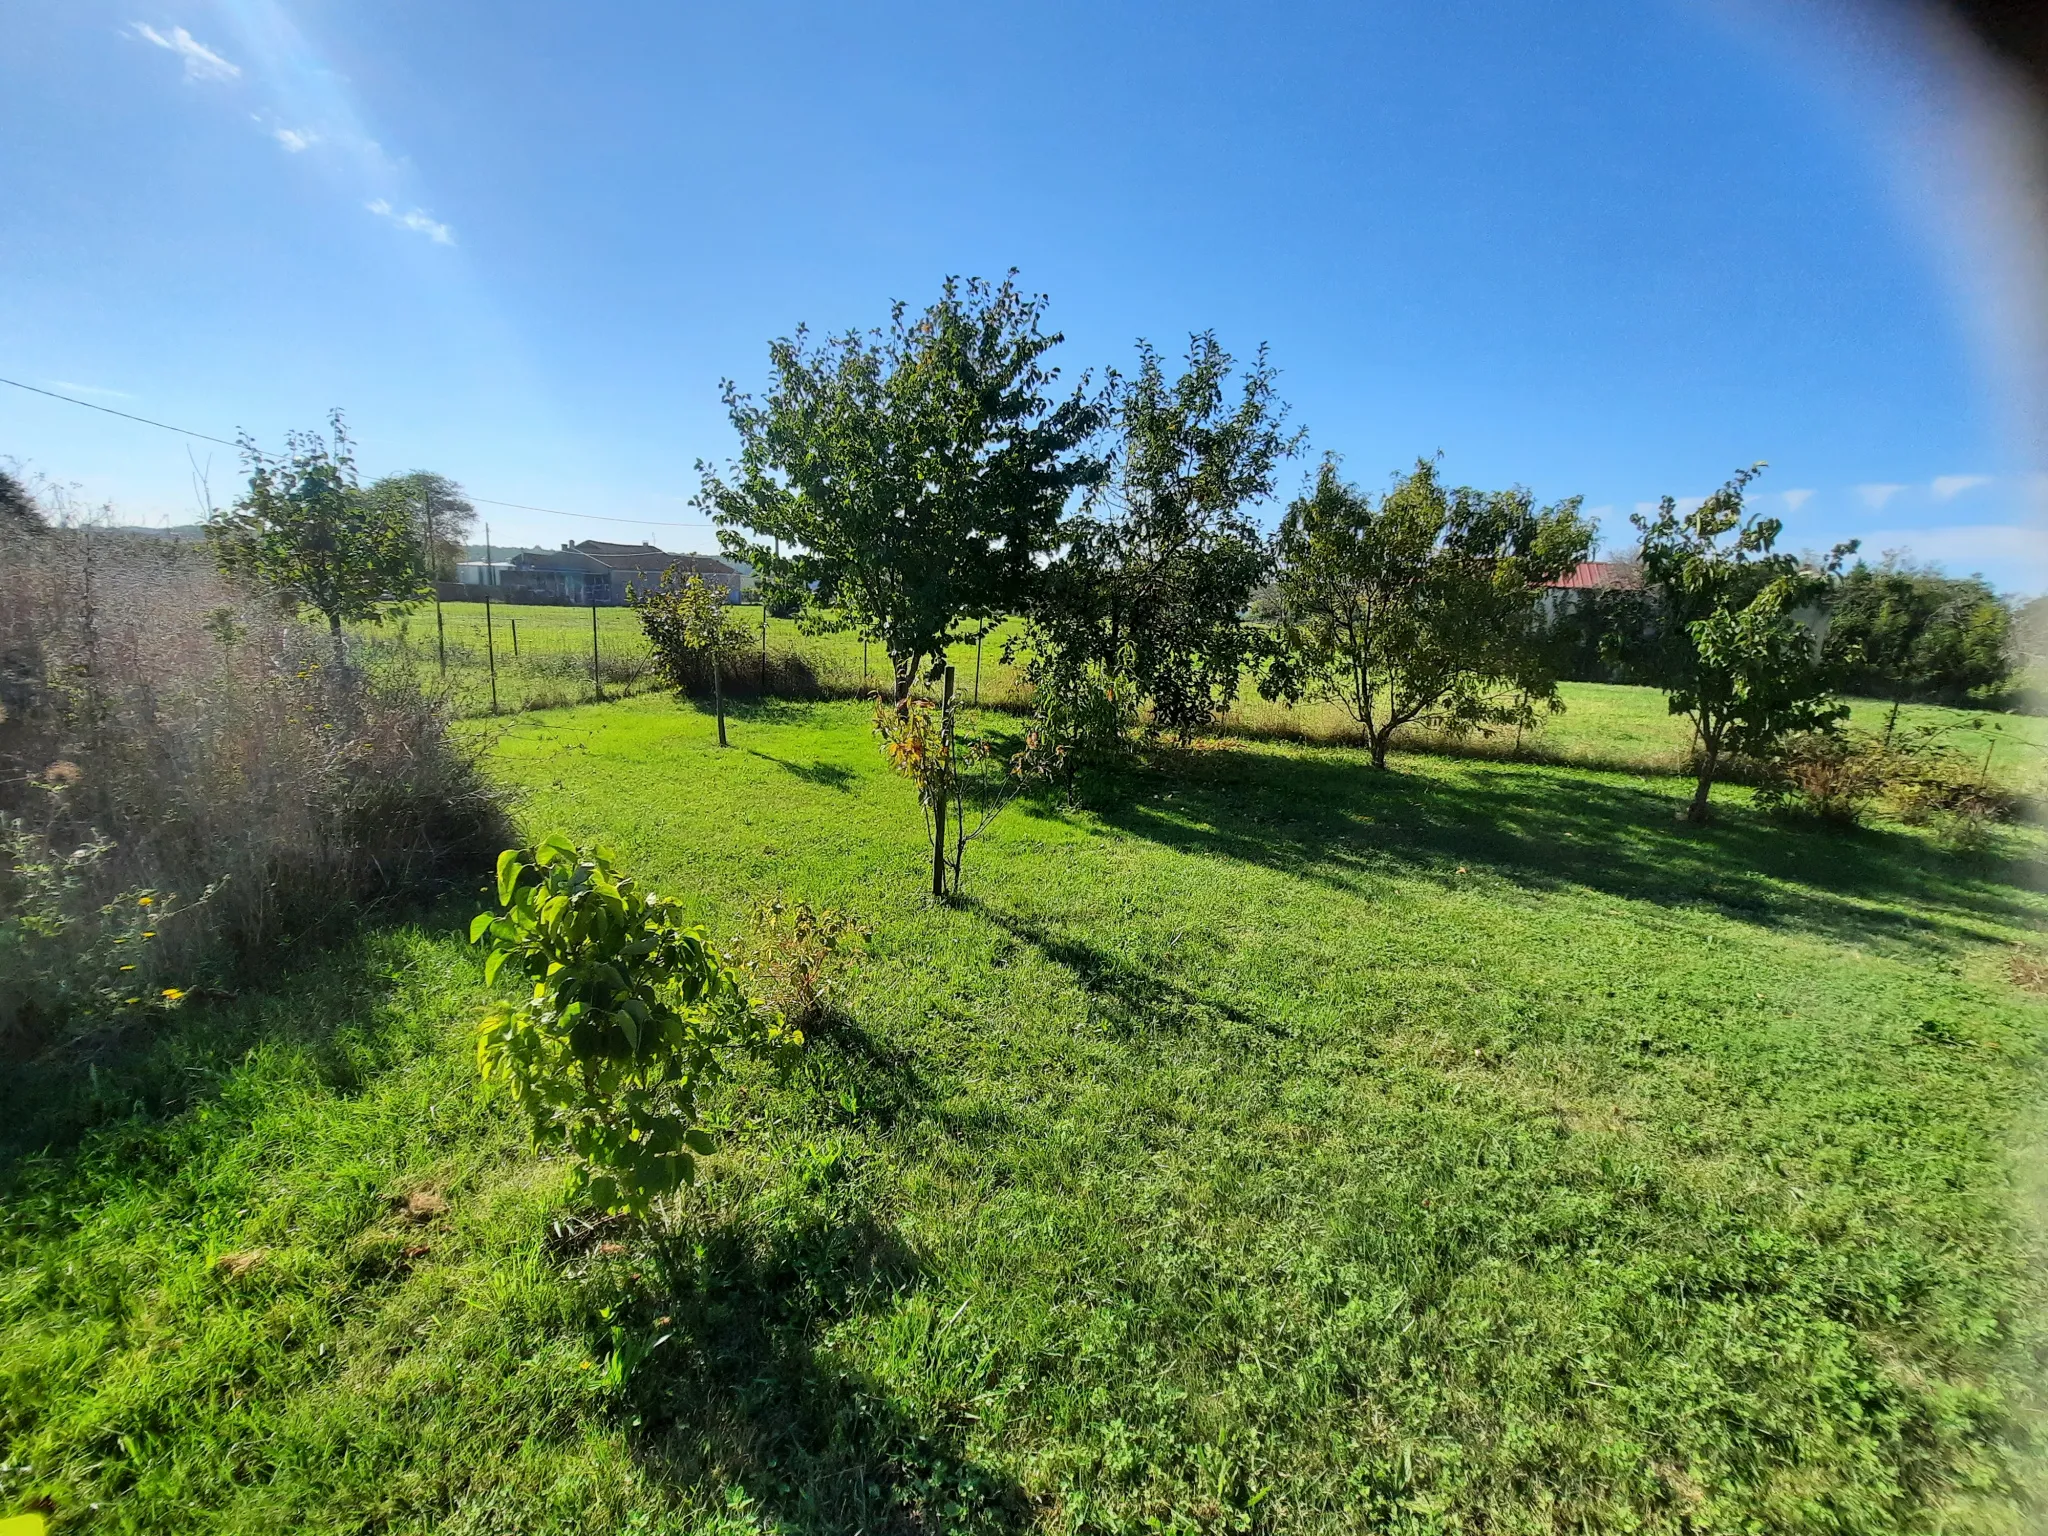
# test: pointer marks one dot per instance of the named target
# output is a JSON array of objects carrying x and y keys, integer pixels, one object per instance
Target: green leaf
[
  {"x": 508, "y": 874},
  {"x": 478, "y": 924}
]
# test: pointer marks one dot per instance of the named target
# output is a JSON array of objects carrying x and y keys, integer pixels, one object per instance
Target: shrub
[
  {"x": 1081, "y": 715},
  {"x": 629, "y": 1014},
  {"x": 1830, "y": 775},
  {"x": 149, "y": 705},
  {"x": 797, "y": 948}
]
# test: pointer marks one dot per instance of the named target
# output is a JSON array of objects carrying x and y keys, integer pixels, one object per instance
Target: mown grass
[
  {"x": 1264, "y": 1145},
  {"x": 544, "y": 660}
]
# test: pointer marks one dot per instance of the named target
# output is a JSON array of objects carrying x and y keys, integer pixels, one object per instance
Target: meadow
[
  {"x": 543, "y": 657},
  {"x": 1260, "y": 1144}
]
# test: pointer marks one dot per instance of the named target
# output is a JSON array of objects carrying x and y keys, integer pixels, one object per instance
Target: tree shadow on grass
[
  {"x": 1128, "y": 998},
  {"x": 823, "y": 774},
  {"x": 1328, "y": 816},
  {"x": 747, "y": 1391},
  {"x": 326, "y": 998},
  {"x": 865, "y": 1077}
]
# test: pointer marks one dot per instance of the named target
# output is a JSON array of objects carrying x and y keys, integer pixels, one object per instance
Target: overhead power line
[
  {"x": 68, "y": 400},
  {"x": 204, "y": 437}
]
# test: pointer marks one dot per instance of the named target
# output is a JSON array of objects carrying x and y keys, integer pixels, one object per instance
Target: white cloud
[
  {"x": 295, "y": 139},
  {"x": 416, "y": 221},
  {"x": 1877, "y": 495},
  {"x": 2013, "y": 556},
  {"x": 1948, "y": 487},
  {"x": 1794, "y": 500},
  {"x": 201, "y": 62},
  {"x": 88, "y": 389}
]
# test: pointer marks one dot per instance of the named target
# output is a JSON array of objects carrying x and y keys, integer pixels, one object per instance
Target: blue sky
[{"x": 1614, "y": 249}]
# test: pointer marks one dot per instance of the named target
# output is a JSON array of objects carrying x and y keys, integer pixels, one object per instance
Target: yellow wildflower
[
  {"x": 145, "y": 901},
  {"x": 174, "y": 993}
]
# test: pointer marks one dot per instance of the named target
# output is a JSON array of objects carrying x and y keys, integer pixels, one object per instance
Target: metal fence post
[
  {"x": 440, "y": 635},
  {"x": 515, "y": 639},
  {"x": 596, "y": 676},
  {"x": 491, "y": 652}
]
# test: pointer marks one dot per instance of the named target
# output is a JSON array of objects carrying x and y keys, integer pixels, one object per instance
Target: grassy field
[
  {"x": 544, "y": 660},
  {"x": 543, "y": 656},
  {"x": 1263, "y": 1145}
]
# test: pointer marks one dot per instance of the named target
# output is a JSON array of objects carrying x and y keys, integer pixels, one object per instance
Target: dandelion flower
[{"x": 145, "y": 901}]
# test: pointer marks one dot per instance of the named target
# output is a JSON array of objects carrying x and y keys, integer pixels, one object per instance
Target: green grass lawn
[
  {"x": 543, "y": 659},
  {"x": 1266, "y": 1145}
]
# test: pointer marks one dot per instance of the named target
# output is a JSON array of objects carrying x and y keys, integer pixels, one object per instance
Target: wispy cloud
[
  {"x": 1948, "y": 487},
  {"x": 295, "y": 139},
  {"x": 417, "y": 221},
  {"x": 1794, "y": 500},
  {"x": 70, "y": 388},
  {"x": 201, "y": 62},
  {"x": 1875, "y": 496}
]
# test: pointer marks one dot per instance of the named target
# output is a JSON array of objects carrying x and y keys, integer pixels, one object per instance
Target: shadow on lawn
[
  {"x": 1329, "y": 817},
  {"x": 1130, "y": 999},
  {"x": 823, "y": 774},
  {"x": 746, "y": 1392},
  {"x": 316, "y": 997}
]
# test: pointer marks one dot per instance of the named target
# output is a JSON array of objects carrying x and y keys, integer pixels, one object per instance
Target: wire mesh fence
[{"x": 500, "y": 658}]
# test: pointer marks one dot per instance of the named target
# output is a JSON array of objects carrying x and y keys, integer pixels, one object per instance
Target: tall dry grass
[{"x": 189, "y": 777}]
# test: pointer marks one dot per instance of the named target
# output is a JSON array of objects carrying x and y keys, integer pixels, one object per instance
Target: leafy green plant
[
  {"x": 630, "y": 1015},
  {"x": 797, "y": 948},
  {"x": 1081, "y": 713},
  {"x": 63, "y": 954}
]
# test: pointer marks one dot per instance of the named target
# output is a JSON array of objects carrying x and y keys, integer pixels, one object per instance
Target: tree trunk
[
  {"x": 1698, "y": 810},
  {"x": 1376, "y": 745},
  {"x": 939, "y": 800},
  {"x": 718, "y": 695},
  {"x": 334, "y": 629}
]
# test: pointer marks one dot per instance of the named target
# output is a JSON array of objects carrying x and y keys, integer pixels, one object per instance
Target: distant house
[
  {"x": 593, "y": 571},
  {"x": 1587, "y": 578},
  {"x": 1592, "y": 575}
]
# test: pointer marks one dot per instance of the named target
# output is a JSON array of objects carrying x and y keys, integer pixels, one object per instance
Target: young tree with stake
[
  {"x": 689, "y": 632},
  {"x": 1422, "y": 605}
]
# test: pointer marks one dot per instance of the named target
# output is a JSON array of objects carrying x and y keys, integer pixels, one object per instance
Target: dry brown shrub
[{"x": 191, "y": 741}]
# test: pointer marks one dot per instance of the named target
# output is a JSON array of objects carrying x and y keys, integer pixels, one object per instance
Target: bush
[
  {"x": 797, "y": 948},
  {"x": 1830, "y": 775},
  {"x": 214, "y": 759},
  {"x": 629, "y": 1013},
  {"x": 1919, "y": 776}
]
